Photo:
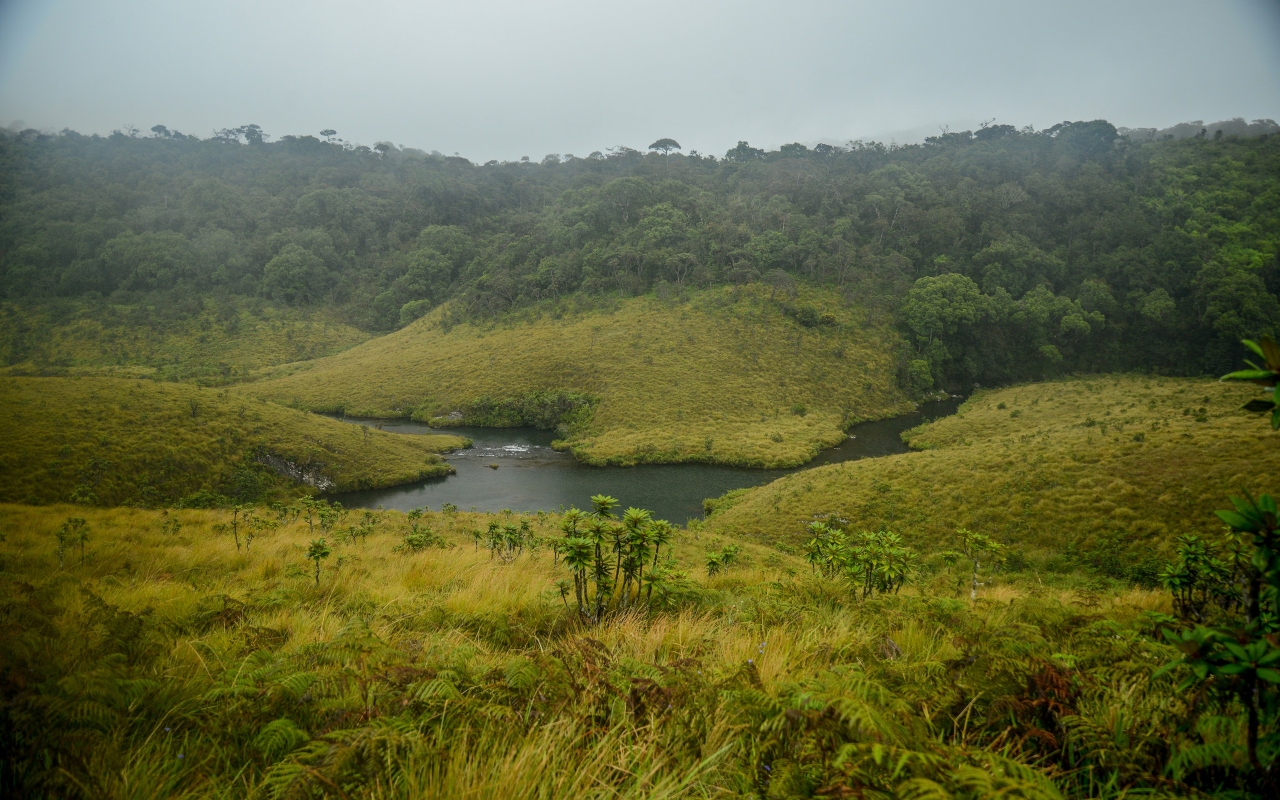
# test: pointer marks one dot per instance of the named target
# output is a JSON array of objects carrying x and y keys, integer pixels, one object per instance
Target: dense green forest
[{"x": 1002, "y": 254}]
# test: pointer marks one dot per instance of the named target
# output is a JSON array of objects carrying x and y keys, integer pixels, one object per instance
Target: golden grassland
[
  {"x": 1115, "y": 461},
  {"x": 725, "y": 377},
  {"x": 144, "y": 442},
  {"x": 177, "y": 666},
  {"x": 219, "y": 342}
]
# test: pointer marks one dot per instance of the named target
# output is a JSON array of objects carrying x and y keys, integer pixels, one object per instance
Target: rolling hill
[
  {"x": 1109, "y": 469},
  {"x": 113, "y": 441},
  {"x": 736, "y": 376}
]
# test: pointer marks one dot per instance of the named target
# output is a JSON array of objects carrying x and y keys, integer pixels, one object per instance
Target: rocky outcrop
[{"x": 310, "y": 475}]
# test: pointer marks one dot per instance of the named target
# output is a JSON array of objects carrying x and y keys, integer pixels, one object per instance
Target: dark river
[{"x": 531, "y": 476}]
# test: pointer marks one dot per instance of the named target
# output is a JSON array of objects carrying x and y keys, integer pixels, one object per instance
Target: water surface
[{"x": 531, "y": 476}]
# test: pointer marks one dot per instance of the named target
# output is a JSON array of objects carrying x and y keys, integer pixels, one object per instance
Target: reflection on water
[{"x": 529, "y": 475}]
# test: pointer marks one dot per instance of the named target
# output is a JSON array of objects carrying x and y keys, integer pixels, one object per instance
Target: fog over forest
[{"x": 497, "y": 79}]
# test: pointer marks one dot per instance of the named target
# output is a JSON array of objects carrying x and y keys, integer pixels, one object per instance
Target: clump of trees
[
  {"x": 1003, "y": 253},
  {"x": 607, "y": 557},
  {"x": 872, "y": 562}
]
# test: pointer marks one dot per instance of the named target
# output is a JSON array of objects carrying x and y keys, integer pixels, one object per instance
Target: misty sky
[{"x": 503, "y": 79}]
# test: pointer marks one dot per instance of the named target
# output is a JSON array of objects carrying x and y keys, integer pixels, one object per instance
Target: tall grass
[
  {"x": 723, "y": 375},
  {"x": 173, "y": 665},
  {"x": 1106, "y": 469}
]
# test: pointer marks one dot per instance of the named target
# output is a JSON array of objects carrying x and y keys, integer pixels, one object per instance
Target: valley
[{"x": 871, "y": 470}]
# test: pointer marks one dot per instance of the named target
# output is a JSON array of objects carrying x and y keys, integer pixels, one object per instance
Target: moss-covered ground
[
  {"x": 117, "y": 441},
  {"x": 733, "y": 376}
]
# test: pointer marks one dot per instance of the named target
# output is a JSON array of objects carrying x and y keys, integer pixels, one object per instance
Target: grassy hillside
[
  {"x": 206, "y": 341},
  {"x": 116, "y": 441},
  {"x": 729, "y": 376},
  {"x": 172, "y": 665},
  {"x": 1108, "y": 468}
]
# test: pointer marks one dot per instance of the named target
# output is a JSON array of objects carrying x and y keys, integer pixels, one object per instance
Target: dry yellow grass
[
  {"x": 465, "y": 676},
  {"x": 1043, "y": 466},
  {"x": 718, "y": 379},
  {"x": 138, "y": 441}
]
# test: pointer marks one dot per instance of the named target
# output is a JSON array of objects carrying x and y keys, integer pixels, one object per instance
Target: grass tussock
[
  {"x": 113, "y": 441},
  {"x": 1110, "y": 464},
  {"x": 211, "y": 342},
  {"x": 728, "y": 376},
  {"x": 172, "y": 664}
]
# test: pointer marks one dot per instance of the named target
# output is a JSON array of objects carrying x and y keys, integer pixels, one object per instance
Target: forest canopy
[{"x": 1003, "y": 253}]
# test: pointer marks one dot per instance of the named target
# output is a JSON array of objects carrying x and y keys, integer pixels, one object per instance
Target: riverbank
[
  {"x": 731, "y": 376},
  {"x": 531, "y": 475},
  {"x": 110, "y": 441}
]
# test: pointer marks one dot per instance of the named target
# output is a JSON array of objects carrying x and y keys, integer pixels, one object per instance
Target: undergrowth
[{"x": 171, "y": 664}]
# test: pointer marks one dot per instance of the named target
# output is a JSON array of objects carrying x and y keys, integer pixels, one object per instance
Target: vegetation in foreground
[
  {"x": 1106, "y": 469},
  {"x": 112, "y": 441},
  {"x": 750, "y": 376},
  {"x": 188, "y": 339},
  {"x": 149, "y": 654},
  {"x": 167, "y": 663}
]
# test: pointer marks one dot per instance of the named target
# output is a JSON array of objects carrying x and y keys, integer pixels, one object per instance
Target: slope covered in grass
[
  {"x": 173, "y": 338},
  {"x": 1108, "y": 469},
  {"x": 114, "y": 441},
  {"x": 213, "y": 672},
  {"x": 728, "y": 376}
]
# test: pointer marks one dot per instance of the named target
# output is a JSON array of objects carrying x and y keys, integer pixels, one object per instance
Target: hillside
[
  {"x": 736, "y": 376},
  {"x": 113, "y": 441},
  {"x": 1103, "y": 470},
  {"x": 1008, "y": 254},
  {"x": 209, "y": 341}
]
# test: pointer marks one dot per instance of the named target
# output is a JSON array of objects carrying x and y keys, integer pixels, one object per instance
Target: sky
[{"x": 504, "y": 79}]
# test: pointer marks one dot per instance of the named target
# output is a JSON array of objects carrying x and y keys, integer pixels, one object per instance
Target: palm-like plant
[
  {"x": 977, "y": 547},
  {"x": 317, "y": 552},
  {"x": 635, "y": 550},
  {"x": 75, "y": 531},
  {"x": 1266, "y": 374}
]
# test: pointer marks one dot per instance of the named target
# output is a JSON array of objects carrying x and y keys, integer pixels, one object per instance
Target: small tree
[
  {"x": 977, "y": 547},
  {"x": 419, "y": 539},
  {"x": 600, "y": 530},
  {"x": 329, "y": 515},
  {"x": 75, "y": 531},
  {"x": 310, "y": 507},
  {"x": 719, "y": 562},
  {"x": 81, "y": 537},
  {"x": 63, "y": 535},
  {"x": 257, "y": 525},
  {"x": 237, "y": 512},
  {"x": 665, "y": 146},
  {"x": 317, "y": 552}
]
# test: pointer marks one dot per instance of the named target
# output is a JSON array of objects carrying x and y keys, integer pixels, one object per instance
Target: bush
[{"x": 203, "y": 499}]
